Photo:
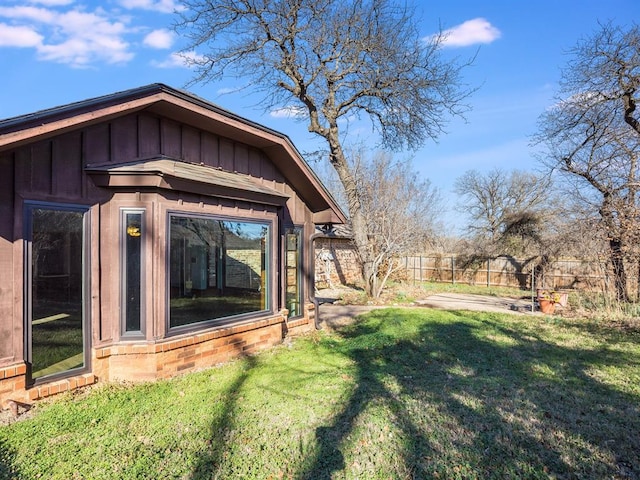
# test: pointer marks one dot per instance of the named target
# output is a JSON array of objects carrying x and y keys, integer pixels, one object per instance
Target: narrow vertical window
[
  {"x": 293, "y": 271},
  {"x": 132, "y": 254}
]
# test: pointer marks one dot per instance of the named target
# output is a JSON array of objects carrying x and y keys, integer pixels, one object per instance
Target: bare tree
[
  {"x": 592, "y": 137},
  {"x": 504, "y": 207},
  {"x": 401, "y": 209},
  {"x": 332, "y": 60}
]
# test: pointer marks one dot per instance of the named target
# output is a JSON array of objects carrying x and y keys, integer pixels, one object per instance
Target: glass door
[{"x": 56, "y": 340}]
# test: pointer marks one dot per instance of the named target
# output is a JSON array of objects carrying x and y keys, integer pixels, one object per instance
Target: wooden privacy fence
[{"x": 506, "y": 271}]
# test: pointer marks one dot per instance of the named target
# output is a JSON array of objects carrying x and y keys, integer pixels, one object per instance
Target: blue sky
[{"x": 60, "y": 51}]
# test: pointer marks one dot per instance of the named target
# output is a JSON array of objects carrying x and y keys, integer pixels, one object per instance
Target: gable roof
[{"x": 186, "y": 108}]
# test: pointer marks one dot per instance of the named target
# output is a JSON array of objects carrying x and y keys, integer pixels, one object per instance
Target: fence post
[
  {"x": 453, "y": 269},
  {"x": 413, "y": 269},
  {"x": 488, "y": 272},
  {"x": 533, "y": 289}
]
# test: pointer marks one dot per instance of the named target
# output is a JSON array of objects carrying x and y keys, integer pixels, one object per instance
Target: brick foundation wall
[
  {"x": 13, "y": 386},
  {"x": 12, "y": 382},
  {"x": 164, "y": 359},
  {"x": 59, "y": 386},
  {"x": 191, "y": 352},
  {"x": 301, "y": 325}
]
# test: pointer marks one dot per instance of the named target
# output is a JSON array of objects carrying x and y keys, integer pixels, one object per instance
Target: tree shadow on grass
[
  {"x": 8, "y": 469},
  {"x": 329, "y": 457},
  {"x": 209, "y": 462},
  {"x": 482, "y": 399}
]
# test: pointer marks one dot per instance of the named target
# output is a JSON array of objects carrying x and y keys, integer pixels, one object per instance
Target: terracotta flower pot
[{"x": 547, "y": 306}]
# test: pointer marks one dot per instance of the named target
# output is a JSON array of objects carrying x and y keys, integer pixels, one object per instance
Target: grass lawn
[{"x": 402, "y": 393}]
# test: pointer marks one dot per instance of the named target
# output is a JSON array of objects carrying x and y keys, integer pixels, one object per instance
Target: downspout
[{"x": 311, "y": 280}]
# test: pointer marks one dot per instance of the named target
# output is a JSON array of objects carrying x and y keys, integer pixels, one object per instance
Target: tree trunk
[
  {"x": 637, "y": 292},
  {"x": 358, "y": 222},
  {"x": 540, "y": 271},
  {"x": 637, "y": 297},
  {"x": 619, "y": 275},
  {"x": 381, "y": 282}
]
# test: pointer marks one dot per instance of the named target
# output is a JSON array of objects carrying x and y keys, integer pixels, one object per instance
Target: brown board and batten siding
[
  {"x": 10, "y": 339},
  {"x": 160, "y": 151}
]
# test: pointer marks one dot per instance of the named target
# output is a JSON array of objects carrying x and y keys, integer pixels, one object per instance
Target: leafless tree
[
  {"x": 504, "y": 209},
  {"x": 401, "y": 210},
  {"x": 592, "y": 138},
  {"x": 332, "y": 60}
]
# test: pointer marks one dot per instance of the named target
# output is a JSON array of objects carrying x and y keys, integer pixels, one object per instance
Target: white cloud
[
  {"x": 229, "y": 90},
  {"x": 74, "y": 37},
  {"x": 11, "y": 36},
  {"x": 81, "y": 52},
  {"x": 178, "y": 60},
  {"x": 165, "y": 6},
  {"x": 288, "y": 112},
  {"x": 471, "y": 32},
  {"x": 161, "y": 39},
  {"x": 35, "y": 14},
  {"x": 52, "y": 3}
]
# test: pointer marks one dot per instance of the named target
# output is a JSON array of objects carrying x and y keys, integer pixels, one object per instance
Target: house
[{"x": 148, "y": 233}]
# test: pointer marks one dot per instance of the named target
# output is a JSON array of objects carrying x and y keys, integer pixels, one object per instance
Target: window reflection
[
  {"x": 293, "y": 266},
  {"x": 218, "y": 269},
  {"x": 56, "y": 263},
  {"x": 132, "y": 288}
]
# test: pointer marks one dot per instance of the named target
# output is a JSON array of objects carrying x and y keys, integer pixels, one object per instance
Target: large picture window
[{"x": 217, "y": 268}]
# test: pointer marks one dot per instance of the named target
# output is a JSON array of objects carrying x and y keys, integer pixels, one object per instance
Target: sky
[{"x": 55, "y": 52}]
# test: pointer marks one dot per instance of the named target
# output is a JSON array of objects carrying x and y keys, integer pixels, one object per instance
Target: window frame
[
  {"x": 28, "y": 207},
  {"x": 299, "y": 231},
  {"x": 124, "y": 333},
  {"x": 230, "y": 319}
]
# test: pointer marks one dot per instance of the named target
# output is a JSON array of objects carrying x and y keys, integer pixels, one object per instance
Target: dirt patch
[
  {"x": 12, "y": 414},
  {"x": 333, "y": 316}
]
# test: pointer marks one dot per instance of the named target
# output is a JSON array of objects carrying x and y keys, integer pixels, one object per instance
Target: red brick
[
  {"x": 186, "y": 366},
  {"x": 187, "y": 352}
]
